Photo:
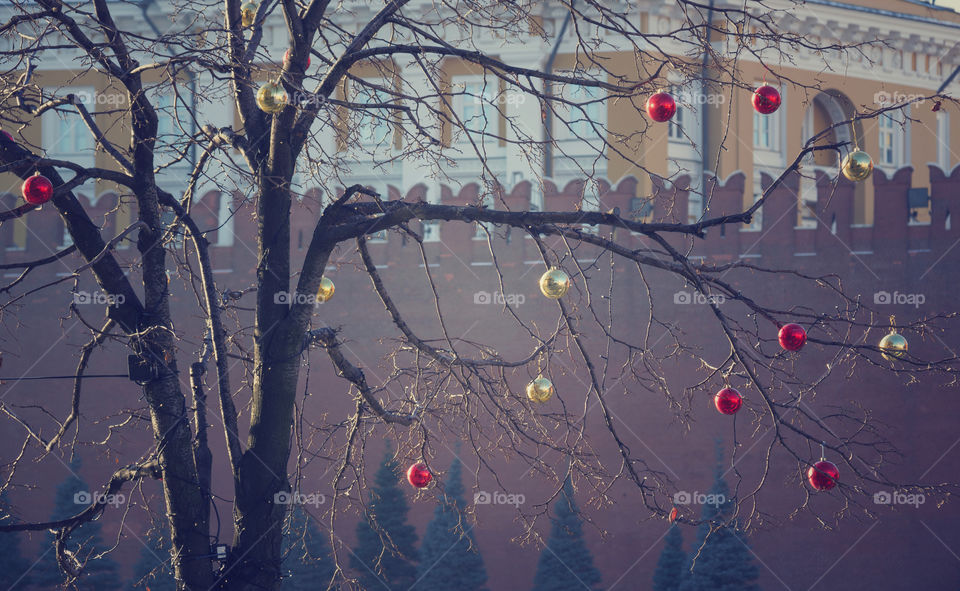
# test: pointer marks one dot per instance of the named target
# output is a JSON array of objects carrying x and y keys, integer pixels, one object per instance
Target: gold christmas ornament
[
  {"x": 554, "y": 283},
  {"x": 248, "y": 13},
  {"x": 325, "y": 291},
  {"x": 540, "y": 390},
  {"x": 893, "y": 345},
  {"x": 857, "y": 166},
  {"x": 271, "y": 98}
]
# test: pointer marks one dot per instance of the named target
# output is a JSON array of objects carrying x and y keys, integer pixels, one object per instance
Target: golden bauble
[
  {"x": 271, "y": 98},
  {"x": 248, "y": 13},
  {"x": 540, "y": 389},
  {"x": 894, "y": 346},
  {"x": 325, "y": 291},
  {"x": 554, "y": 283},
  {"x": 857, "y": 166}
]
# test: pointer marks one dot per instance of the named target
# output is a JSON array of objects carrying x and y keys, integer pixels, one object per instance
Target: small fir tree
[
  {"x": 385, "y": 556},
  {"x": 449, "y": 557},
  {"x": 15, "y": 571},
  {"x": 307, "y": 563},
  {"x": 566, "y": 563},
  {"x": 725, "y": 562},
  {"x": 99, "y": 572},
  {"x": 670, "y": 567}
]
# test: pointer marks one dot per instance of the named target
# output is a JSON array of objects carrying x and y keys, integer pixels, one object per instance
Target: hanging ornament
[
  {"x": 248, "y": 13},
  {"x": 418, "y": 475},
  {"x": 792, "y": 337},
  {"x": 661, "y": 106},
  {"x": 325, "y": 290},
  {"x": 37, "y": 189},
  {"x": 674, "y": 514},
  {"x": 823, "y": 475},
  {"x": 6, "y": 134},
  {"x": 728, "y": 401},
  {"x": 554, "y": 283},
  {"x": 540, "y": 389},
  {"x": 857, "y": 165},
  {"x": 766, "y": 99},
  {"x": 286, "y": 58},
  {"x": 271, "y": 98},
  {"x": 893, "y": 345}
]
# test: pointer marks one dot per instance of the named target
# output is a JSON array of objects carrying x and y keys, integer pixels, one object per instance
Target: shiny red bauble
[
  {"x": 766, "y": 99},
  {"x": 792, "y": 337},
  {"x": 661, "y": 107},
  {"x": 728, "y": 401},
  {"x": 419, "y": 476},
  {"x": 823, "y": 475},
  {"x": 37, "y": 190},
  {"x": 6, "y": 134},
  {"x": 286, "y": 59}
]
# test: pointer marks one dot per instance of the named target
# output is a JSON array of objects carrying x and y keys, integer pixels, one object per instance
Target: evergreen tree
[
  {"x": 15, "y": 573},
  {"x": 725, "y": 562},
  {"x": 385, "y": 556},
  {"x": 449, "y": 558},
  {"x": 670, "y": 566},
  {"x": 566, "y": 563},
  {"x": 307, "y": 564},
  {"x": 99, "y": 574},
  {"x": 153, "y": 570}
]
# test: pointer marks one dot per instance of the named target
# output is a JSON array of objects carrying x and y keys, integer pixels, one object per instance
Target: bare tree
[{"x": 388, "y": 64}]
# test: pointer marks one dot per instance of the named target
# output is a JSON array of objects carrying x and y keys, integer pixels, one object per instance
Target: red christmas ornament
[
  {"x": 674, "y": 514},
  {"x": 728, "y": 401},
  {"x": 37, "y": 189},
  {"x": 286, "y": 58},
  {"x": 766, "y": 99},
  {"x": 661, "y": 107},
  {"x": 419, "y": 476},
  {"x": 792, "y": 337},
  {"x": 6, "y": 134},
  {"x": 823, "y": 475}
]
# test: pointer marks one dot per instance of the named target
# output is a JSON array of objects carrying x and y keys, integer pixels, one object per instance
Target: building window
[
  {"x": 484, "y": 228},
  {"x": 65, "y": 135},
  {"x": 675, "y": 131},
  {"x": 475, "y": 105},
  {"x": 586, "y": 118},
  {"x": 431, "y": 231},
  {"x": 943, "y": 140},
  {"x": 374, "y": 125},
  {"x": 888, "y": 140},
  {"x": 764, "y": 132}
]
